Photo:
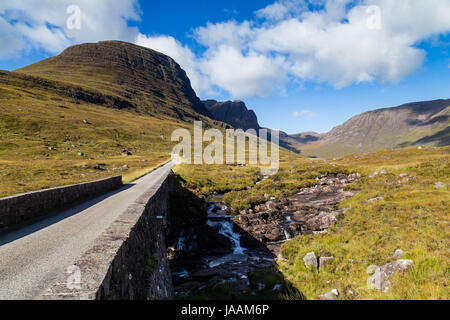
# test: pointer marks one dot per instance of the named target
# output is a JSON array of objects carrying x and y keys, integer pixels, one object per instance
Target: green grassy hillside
[
  {"x": 47, "y": 139},
  {"x": 413, "y": 216},
  {"x": 80, "y": 116}
]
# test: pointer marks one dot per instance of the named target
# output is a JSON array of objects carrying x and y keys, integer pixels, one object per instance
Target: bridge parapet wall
[{"x": 128, "y": 261}]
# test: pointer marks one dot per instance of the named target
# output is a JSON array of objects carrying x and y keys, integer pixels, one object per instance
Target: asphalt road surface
[{"x": 32, "y": 257}]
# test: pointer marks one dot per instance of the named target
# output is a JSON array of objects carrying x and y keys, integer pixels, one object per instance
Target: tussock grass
[
  {"x": 239, "y": 183},
  {"x": 42, "y": 134},
  {"x": 413, "y": 216}
]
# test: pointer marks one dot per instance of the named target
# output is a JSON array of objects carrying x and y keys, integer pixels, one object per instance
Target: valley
[
  {"x": 57, "y": 128},
  {"x": 346, "y": 212},
  {"x": 343, "y": 203}
]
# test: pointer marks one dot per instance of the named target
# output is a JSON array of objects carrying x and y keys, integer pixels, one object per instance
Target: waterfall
[
  {"x": 226, "y": 229},
  {"x": 286, "y": 233}
]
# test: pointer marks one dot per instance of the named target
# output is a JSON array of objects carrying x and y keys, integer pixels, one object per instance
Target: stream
[
  {"x": 225, "y": 261},
  {"x": 227, "y": 250}
]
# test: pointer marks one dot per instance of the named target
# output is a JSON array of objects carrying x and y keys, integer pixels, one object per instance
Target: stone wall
[
  {"x": 129, "y": 260},
  {"x": 23, "y": 207}
]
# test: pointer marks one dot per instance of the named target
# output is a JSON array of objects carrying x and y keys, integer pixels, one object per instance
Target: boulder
[
  {"x": 375, "y": 199},
  {"x": 332, "y": 295},
  {"x": 398, "y": 254},
  {"x": 354, "y": 176},
  {"x": 380, "y": 279},
  {"x": 398, "y": 266},
  {"x": 271, "y": 205},
  {"x": 311, "y": 260},
  {"x": 322, "y": 221},
  {"x": 376, "y": 173},
  {"x": 371, "y": 269},
  {"x": 323, "y": 261},
  {"x": 275, "y": 235},
  {"x": 439, "y": 185}
]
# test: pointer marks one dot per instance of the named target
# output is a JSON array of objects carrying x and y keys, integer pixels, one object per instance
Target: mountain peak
[
  {"x": 154, "y": 82},
  {"x": 234, "y": 113}
]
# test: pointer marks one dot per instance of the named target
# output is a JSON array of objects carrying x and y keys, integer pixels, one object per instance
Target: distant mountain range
[
  {"x": 424, "y": 123},
  {"x": 142, "y": 81},
  {"x": 237, "y": 115}
]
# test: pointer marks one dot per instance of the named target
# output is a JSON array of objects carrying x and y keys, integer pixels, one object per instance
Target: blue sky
[{"x": 301, "y": 65}]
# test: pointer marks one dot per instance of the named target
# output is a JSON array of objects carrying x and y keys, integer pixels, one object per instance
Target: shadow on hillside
[
  {"x": 306, "y": 138},
  {"x": 440, "y": 119},
  {"x": 426, "y": 107},
  {"x": 441, "y": 139},
  {"x": 54, "y": 217}
]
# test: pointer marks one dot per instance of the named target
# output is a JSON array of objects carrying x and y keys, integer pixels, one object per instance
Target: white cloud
[
  {"x": 288, "y": 42},
  {"x": 304, "y": 114},
  {"x": 243, "y": 75},
  {"x": 42, "y": 24},
  {"x": 52, "y": 39},
  {"x": 340, "y": 54},
  {"x": 226, "y": 33},
  {"x": 10, "y": 40},
  {"x": 329, "y": 44},
  {"x": 284, "y": 9},
  {"x": 224, "y": 65},
  {"x": 321, "y": 46},
  {"x": 275, "y": 11}
]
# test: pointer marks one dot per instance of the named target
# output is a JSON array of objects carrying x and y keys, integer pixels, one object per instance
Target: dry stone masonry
[
  {"x": 128, "y": 261},
  {"x": 27, "y": 206}
]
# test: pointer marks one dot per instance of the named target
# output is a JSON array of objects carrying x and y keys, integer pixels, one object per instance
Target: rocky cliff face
[
  {"x": 234, "y": 113},
  {"x": 153, "y": 82},
  {"x": 239, "y": 116}
]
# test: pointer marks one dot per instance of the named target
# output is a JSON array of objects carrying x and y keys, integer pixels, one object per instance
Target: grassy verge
[{"x": 137, "y": 174}]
